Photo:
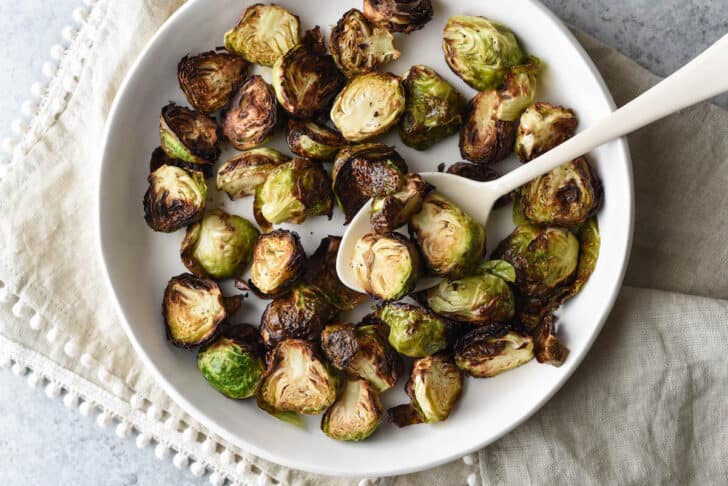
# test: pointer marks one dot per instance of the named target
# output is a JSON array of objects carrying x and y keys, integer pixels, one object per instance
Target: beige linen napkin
[{"x": 647, "y": 405}]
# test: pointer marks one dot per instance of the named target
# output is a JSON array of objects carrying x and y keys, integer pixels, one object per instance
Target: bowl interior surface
[{"x": 139, "y": 262}]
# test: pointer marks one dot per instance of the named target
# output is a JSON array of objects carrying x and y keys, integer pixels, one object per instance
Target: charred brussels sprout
[
  {"x": 242, "y": 174},
  {"x": 414, "y": 331},
  {"x": 476, "y": 172},
  {"x": 218, "y": 246},
  {"x": 193, "y": 309},
  {"x": 209, "y": 79},
  {"x": 278, "y": 260},
  {"x": 292, "y": 192},
  {"x": 485, "y": 137},
  {"x": 566, "y": 196},
  {"x": 296, "y": 381},
  {"x": 306, "y": 79},
  {"x": 391, "y": 211},
  {"x": 355, "y": 415},
  {"x": 188, "y": 135},
  {"x": 311, "y": 141},
  {"x": 252, "y": 114},
  {"x": 234, "y": 362},
  {"x": 339, "y": 344},
  {"x": 263, "y": 34},
  {"x": 483, "y": 297},
  {"x": 399, "y": 15},
  {"x": 450, "y": 241},
  {"x": 175, "y": 198},
  {"x": 387, "y": 266},
  {"x": 433, "y": 108},
  {"x": 547, "y": 347},
  {"x": 435, "y": 385},
  {"x": 301, "y": 314},
  {"x": 368, "y": 106},
  {"x": 321, "y": 273},
  {"x": 485, "y": 352},
  {"x": 542, "y": 127},
  {"x": 519, "y": 89},
  {"x": 480, "y": 51},
  {"x": 159, "y": 158},
  {"x": 359, "y": 47},
  {"x": 364, "y": 171}
]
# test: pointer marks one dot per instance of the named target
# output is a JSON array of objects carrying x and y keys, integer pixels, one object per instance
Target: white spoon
[{"x": 703, "y": 77}]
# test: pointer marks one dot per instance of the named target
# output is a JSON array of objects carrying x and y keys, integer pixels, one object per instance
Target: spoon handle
[{"x": 703, "y": 77}]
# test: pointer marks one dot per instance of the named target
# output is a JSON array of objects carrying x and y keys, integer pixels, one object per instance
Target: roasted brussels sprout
[
  {"x": 242, "y": 174},
  {"x": 301, "y": 314},
  {"x": 159, "y": 158},
  {"x": 292, "y": 192},
  {"x": 542, "y": 127},
  {"x": 355, "y": 415},
  {"x": 234, "y": 362},
  {"x": 480, "y": 51},
  {"x": 311, "y": 141},
  {"x": 487, "y": 351},
  {"x": 306, "y": 79},
  {"x": 209, "y": 79},
  {"x": 391, "y": 211},
  {"x": 364, "y": 171},
  {"x": 174, "y": 199},
  {"x": 399, "y": 15},
  {"x": 386, "y": 265},
  {"x": 547, "y": 347},
  {"x": 545, "y": 258},
  {"x": 519, "y": 89},
  {"x": 188, "y": 135},
  {"x": 359, "y": 47},
  {"x": 435, "y": 385},
  {"x": 369, "y": 105},
  {"x": 433, "y": 108},
  {"x": 339, "y": 344},
  {"x": 567, "y": 196},
  {"x": 321, "y": 273},
  {"x": 589, "y": 243},
  {"x": 450, "y": 241},
  {"x": 278, "y": 262},
  {"x": 193, "y": 309},
  {"x": 484, "y": 297},
  {"x": 263, "y": 34},
  {"x": 296, "y": 381},
  {"x": 414, "y": 331},
  {"x": 251, "y": 117},
  {"x": 485, "y": 138}
]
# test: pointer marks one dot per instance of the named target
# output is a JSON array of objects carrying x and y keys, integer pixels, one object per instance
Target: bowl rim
[{"x": 334, "y": 470}]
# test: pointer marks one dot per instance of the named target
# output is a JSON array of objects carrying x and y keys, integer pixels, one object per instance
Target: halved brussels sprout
[
  {"x": 251, "y": 117},
  {"x": 547, "y": 347},
  {"x": 480, "y": 51},
  {"x": 567, "y": 196},
  {"x": 476, "y": 172},
  {"x": 301, "y": 314},
  {"x": 359, "y": 47},
  {"x": 159, "y": 158},
  {"x": 175, "y": 198},
  {"x": 188, "y": 135},
  {"x": 414, "y": 331},
  {"x": 391, "y": 211},
  {"x": 485, "y": 138},
  {"x": 483, "y": 297},
  {"x": 450, "y": 241},
  {"x": 209, "y": 79},
  {"x": 339, "y": 344},
  {"x": 433, "y": 108},
  {"x": 263, "y": 34},
  {"x": 589, "y": 244},
  {"x": 355, "y": 415},
  {"x": 306, "y": 79},
  {"x": 296, "y": 381},
  {"x": 311, "y": 141},
  {"x": 292, "y": 192},
  {"x": 519, "y": 89},
  {"x": 545, "y": 258},
  {"x": 435, "y": 385},
  {"x": 485, "y": 352},
  {"x": 218, "y": 246},
  {"x": 321, "y": 273},
  {"x": 242, "y": 174},
  {"x": 386, "y": 265},
  {"x": 278, "y": 261},
  {"x": 542, "y": 127},
  {"x": 399, "y": 15},
  {"x": 364, "y": 171},
  {"x": 369, "y": 105},
  {"x": 193, "y": 310},
  {"x": 234, "y": 362}
]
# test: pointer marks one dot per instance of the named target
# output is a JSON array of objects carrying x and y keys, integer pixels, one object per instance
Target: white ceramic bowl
[{"x": 139, "y": 261}]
